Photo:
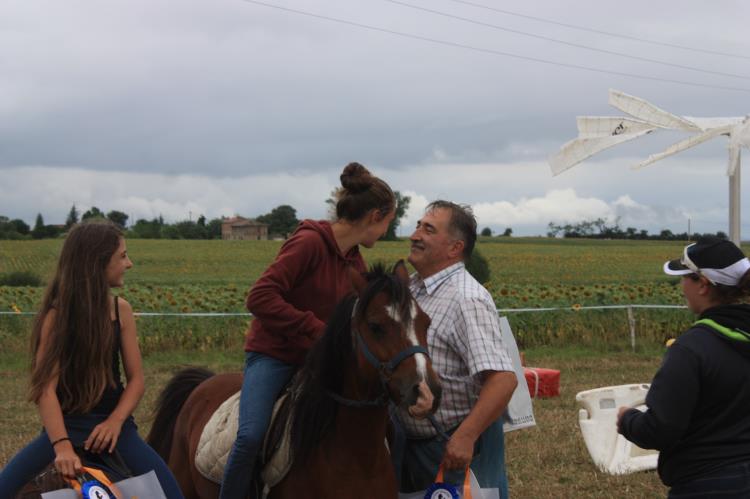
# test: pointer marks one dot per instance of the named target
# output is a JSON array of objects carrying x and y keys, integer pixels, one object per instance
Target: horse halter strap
[{"x": 385, "y": 370}]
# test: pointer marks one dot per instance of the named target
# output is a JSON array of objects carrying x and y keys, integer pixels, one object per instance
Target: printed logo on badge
[
  {"x": 442, "y": 491},
  {"x": 96, "y": 492}
]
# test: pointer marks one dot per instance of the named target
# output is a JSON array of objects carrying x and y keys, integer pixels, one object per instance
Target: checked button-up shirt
[{"x": 464, "y": 340}]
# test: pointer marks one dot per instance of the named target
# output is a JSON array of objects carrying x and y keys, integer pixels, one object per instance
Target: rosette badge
[
  {"x": 94, "y": 489},
  {"x": 440, "y": 490},
  {"x": 94, "y": 484}
]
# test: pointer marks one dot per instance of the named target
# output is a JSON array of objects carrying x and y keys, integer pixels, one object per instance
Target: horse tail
[{"x": 168, "y": 406}]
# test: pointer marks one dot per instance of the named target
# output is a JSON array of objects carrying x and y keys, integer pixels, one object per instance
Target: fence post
[{"x": 631, "y": 323}]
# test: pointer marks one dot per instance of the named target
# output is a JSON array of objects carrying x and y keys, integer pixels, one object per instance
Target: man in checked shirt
[{"x": 467, "y": 352}]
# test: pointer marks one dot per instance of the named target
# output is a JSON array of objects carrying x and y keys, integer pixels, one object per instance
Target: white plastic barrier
[{"x": 610, "y": 451}]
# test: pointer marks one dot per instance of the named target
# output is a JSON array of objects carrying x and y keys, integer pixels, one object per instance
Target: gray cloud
[{"x": 233, "y": 87}]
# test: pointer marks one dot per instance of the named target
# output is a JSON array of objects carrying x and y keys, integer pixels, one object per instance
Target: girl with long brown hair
[{"x": 80, "y": 334}]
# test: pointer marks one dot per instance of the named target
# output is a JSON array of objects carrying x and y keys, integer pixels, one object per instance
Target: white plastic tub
[{"x": 609, "y": 450}]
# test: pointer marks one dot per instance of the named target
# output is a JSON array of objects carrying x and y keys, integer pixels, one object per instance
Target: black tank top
[{"x": 112, "y": 394}]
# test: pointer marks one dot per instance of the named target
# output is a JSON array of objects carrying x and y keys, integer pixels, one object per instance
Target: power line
[
  {"x": 563, "y": 42},
  {"x": 492, "y": 51},
  {"x": 601, "y": 32}
]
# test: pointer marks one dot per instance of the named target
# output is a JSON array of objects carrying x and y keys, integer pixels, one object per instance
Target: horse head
[
  {"x": 373, "y": 352},
  {"x": 389, "y": 331}
]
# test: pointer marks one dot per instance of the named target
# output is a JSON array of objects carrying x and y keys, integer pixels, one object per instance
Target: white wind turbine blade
[
  {"x": 680, "y": 146},
  {"x": 706, "y": 123},
  {"x": 645, "y": 111},
  {"x": 590, "y": 127},
  {"x": 575, "y": 151}
]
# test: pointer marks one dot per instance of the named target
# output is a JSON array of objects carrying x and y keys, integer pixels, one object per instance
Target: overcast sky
[{"x": 227, "y": 107}]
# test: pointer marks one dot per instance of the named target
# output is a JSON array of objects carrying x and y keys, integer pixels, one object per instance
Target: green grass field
[
  {"x": 590, "y": 347},
  {"x": 547, "y": 461}
]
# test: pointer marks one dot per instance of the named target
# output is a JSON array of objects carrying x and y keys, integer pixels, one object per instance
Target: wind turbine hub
[{"x": 741, "y": 134}]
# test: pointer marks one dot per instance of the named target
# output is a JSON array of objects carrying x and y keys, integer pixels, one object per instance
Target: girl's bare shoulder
[{"x": 123, "y": 307}]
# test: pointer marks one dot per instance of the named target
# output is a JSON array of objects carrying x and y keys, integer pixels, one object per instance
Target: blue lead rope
[{"x": 439, "y": 429}]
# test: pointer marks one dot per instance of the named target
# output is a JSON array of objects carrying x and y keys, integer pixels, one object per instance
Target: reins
[{"x": 385, "y": 370}]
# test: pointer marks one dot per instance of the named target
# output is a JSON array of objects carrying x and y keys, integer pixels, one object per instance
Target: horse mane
[{"x": 314, "y": 411}]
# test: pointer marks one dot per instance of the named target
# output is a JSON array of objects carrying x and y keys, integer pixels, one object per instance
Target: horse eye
[{"x": 375, "y": 327}]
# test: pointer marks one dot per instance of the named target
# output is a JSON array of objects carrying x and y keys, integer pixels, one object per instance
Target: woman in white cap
[{"x": 698, "y": 413}]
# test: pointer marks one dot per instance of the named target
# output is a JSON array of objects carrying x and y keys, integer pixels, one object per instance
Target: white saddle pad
[{"x": 218, "y": 437}]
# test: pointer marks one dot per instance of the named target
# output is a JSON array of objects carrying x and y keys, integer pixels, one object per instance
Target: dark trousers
[
  {"x": 730, "y": 482},
  {"x": 416, "y": 461}
]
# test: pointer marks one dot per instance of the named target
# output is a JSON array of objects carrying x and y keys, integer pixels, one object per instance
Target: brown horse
[{"x": 373, "y": 353}]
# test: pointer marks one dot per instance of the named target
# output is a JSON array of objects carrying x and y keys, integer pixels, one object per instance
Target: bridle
[{"x": 385, "y": 371}]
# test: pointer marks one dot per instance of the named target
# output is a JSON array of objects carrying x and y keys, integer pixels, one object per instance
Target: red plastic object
[{"x": 542, "y": 382}]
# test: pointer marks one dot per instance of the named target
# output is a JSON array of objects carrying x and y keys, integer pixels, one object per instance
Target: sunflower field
[{"x": 189, "y": 277}]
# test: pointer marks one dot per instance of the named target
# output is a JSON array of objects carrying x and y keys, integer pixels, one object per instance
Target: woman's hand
[
  {"x": 104, "y": 436},
  {"x": 67, "y": 461}
]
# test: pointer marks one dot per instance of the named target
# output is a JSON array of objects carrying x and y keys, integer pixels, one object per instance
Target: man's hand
[
  {"x": 497, "y": 388},
  {"x": 458, "y": 452},
  {"x": 425, "y": 400}
]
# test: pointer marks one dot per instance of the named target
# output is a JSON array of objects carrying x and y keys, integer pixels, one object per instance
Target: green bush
[
  {"x": 478, "y": 266},
  {"x": 24, "y": 278}
]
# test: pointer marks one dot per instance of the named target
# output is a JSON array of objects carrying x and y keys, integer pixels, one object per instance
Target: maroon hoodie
[{"x": 297, "y": 294}]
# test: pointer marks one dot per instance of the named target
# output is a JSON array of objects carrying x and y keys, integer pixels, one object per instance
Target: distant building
[{"x": 238, "y": 228}]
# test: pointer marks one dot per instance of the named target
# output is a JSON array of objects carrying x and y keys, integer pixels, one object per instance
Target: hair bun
[{"x": 356, "y": 178}]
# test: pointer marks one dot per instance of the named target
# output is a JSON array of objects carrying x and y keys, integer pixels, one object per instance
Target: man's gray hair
[{"x": 462, "y": 223}]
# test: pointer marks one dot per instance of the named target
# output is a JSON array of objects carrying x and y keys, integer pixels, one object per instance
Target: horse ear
[
  {"x": 359, "y": 283},
  {"x": 400, "y": 271}
]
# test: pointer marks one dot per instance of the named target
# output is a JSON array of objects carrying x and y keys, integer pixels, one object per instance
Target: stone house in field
[{"x": 239, "y": 228}]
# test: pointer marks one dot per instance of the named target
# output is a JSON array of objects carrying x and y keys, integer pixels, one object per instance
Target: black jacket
[{"x": 698, "y": 413}]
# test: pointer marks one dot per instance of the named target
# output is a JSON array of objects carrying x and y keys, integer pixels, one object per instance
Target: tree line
[
  {"x": 281, "y": 221},
  {"x": 599, "y": 229}
]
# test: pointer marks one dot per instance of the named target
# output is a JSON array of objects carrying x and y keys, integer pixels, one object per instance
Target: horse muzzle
[{"x": 412, "y": 394}]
